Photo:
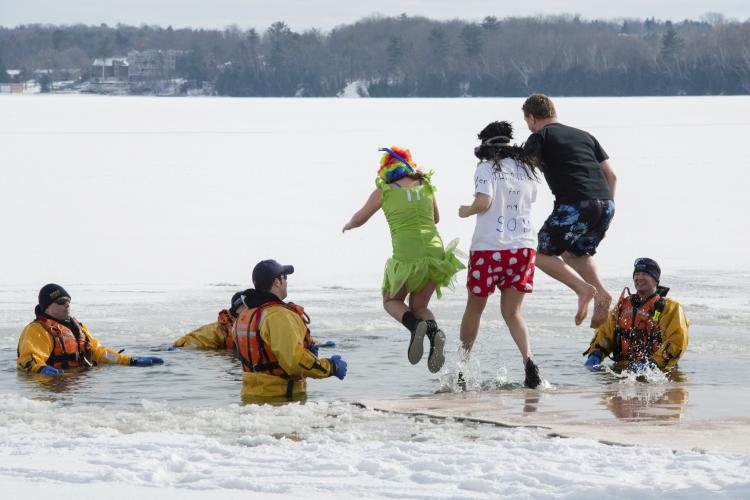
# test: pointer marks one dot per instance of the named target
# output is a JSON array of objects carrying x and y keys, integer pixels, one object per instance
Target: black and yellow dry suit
[
  {"x": 640, "y": 330},
  {"x": 272, "y": 341},
  {"x": 61, "y": 344}
]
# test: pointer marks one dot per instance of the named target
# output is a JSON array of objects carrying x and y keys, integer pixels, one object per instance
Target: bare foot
[
  {"x": 602, "y": 301},
  {"x": 584, "y": 297}
]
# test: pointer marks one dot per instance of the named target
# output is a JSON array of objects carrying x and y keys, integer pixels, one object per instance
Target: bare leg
[
  {"x": 585, "y": 266},
  {"x": 418, "y": 302},
  {"x": 470, "y": 322},
  {"x": 510, "y": 307},
  {"x": 556, "y": 267},
  {"x": 394, "y": 304}
]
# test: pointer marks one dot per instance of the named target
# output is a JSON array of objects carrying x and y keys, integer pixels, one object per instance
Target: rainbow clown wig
[{"x": 395, "y": 164}]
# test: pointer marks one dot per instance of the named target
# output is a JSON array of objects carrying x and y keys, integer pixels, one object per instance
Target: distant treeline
[{"x": 415, "y": 56}]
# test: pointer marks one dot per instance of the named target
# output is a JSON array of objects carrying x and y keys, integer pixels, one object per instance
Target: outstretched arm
[
  {"x": 362, "y": 215},
  {"x": 609, "y": 174}
]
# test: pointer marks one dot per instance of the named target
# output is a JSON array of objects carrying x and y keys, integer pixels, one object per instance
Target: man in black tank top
[{"x": 578, "y": 173}]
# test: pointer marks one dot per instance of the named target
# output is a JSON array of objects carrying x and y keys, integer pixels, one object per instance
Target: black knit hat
[
  {"x": 648, "y": 266},
  {"x": 50, "y": 293}
]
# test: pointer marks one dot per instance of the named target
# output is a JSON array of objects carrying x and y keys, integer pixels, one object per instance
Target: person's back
[
  {"x": 408, "y": 205},
  {"x": 570, "y": 159},
  {"x": 507, "y": 222}
]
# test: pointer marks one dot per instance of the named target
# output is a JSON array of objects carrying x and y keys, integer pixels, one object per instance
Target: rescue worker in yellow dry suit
[
  {"x": 55, "y": 341},
  {"x": 644, "y": 329},
  {"x": 273, "y": 341},
  {"x": 216, "y": 335}
]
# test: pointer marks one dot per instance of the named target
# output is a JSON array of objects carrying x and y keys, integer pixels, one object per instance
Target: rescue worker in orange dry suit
[
  {"x": 56, "y": 341},
  {"x": 216, "y": 335},
  {"x": 644, "y": 329},
  {"x": 273, "y": 341}
]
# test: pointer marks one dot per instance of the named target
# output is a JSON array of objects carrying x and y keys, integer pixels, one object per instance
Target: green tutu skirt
[{"x": 416, "y": 274}]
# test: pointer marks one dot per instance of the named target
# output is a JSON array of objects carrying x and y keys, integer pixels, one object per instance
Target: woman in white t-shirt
[{"x": 503, "y": 249}]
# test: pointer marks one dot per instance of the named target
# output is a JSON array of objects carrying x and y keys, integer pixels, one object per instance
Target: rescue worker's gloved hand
[
  {"x": 339, "y": 366},
  {"x": 593, "y": 361},
  {"x": 146, "y": 361},
  {"x": 48, "y": 370}
]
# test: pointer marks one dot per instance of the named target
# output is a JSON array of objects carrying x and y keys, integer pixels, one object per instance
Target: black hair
[
  {"x": 264, "y": 287},
  {"x": 496, "y": 146}
]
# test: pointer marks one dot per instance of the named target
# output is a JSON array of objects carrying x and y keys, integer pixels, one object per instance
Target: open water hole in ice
[{"x": 145, "y": 319}]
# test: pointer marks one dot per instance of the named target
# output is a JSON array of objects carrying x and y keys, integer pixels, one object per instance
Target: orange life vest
[
  {"x": 254, "y": 353},
  {"x": 69, "y": 351},
  {"x": 226, "y": 321},
  {"x": 637, "y": 333}
]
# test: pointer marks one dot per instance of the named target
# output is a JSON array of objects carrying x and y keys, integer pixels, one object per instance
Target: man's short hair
[
  {"x": 264, "y": 286},
  {"x": 540, "y": 106}
]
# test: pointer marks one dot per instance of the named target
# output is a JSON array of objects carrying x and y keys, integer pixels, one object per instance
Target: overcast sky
[{"x": 326, "y": 14}]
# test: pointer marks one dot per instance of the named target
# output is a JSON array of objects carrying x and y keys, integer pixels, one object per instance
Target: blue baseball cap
[{"x": 266, "y": 271}]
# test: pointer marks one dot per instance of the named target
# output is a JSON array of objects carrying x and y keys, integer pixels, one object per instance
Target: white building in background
[{"x": 110, "y": 69}]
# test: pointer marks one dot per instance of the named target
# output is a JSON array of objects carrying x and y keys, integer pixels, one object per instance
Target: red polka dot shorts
[{"x": 502, "y": 269}]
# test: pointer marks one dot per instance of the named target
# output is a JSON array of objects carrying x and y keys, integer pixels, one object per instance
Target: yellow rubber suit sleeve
[
  {"x": 284, "y": 331},
  {"x": 674, "y": 333},
  {"x": 210, "y": 336},
  {"x": 604, "y": 337},
  {"x": 102, "y": 354},
  {"x": 34, "y": 348}
]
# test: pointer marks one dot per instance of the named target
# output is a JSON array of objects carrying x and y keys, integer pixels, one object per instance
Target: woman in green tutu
[{"x": 420, "y": 265}]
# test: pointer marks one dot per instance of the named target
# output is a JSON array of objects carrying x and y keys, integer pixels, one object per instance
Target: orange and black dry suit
[
  {"x": 639, "y": 330},
  {"x": 217, "y": 335},
  {"x": 272, "y": 341},
  {"x": 61, "y": 344}
]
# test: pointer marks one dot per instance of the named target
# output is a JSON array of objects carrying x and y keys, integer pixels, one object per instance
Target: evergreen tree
[
  {"x": 471, "y": 36},
  {"x": 671, "y": 43},
  {"x": 491, "y": 23}
]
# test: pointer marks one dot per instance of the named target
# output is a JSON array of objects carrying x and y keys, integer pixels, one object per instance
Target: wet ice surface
[{"x": 145, "y": 319}]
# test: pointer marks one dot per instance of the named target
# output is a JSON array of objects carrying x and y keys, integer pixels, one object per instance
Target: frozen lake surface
[{"x": 152, "y": 212}]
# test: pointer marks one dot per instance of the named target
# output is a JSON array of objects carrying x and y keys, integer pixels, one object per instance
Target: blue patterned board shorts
[{"x": 577, "y": 228}]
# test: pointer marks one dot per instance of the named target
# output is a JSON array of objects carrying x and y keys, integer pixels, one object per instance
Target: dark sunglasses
[{"x": 62, "y": 302}]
